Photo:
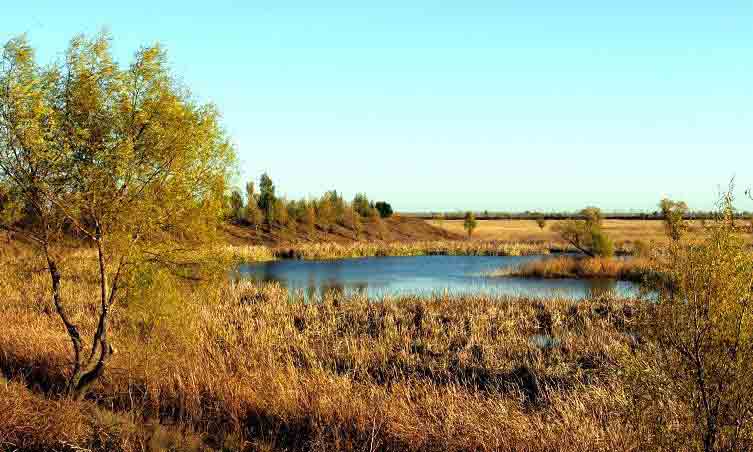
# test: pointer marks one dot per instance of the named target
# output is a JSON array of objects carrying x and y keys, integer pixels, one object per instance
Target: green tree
[
  {"x": 309, "y": 217},
  {"x": 385, "y": 210},
  {"x": 674, "y": 213},
  {"x": 586, "y": 234},
  {"x": 280, "y": 210},
  {"x": 236, "y": 206},
  {"x": 122, "y": 156},
  {"x": 267, "y": 197},
  {"x": 361, "y": 204},
  {"x": 470, "y": 223},
  {"x": 254, "y": 216},
  {"x": 592, "y": 216}
]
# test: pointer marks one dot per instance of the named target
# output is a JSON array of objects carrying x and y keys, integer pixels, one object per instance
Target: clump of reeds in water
[{"x": 630, "y": 269}]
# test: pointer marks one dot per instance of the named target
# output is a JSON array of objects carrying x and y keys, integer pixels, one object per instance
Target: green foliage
[
  {"x": 309, "y": 217},
  {"x": 122, "y": 156},
  {"x": 601, "y": 244},
  {"x": 281, "y": 213},
  {"x": 469, "y": 224},
  {"x": 254, "y": 215},
  {"x": 267, "y": 197},
  {"x": 674, "y": 213},
  {"x": 592, "y": 216},
  {"x": 385, "y": 210},
  {"x": 236, "y": 206},
  {"x": 586, "y": 235},
  {"x": 361, "y": 204}
]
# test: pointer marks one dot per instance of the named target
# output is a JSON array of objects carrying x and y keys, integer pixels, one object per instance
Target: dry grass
[
  {"x": 447, "y": 247},
  {"x": 634, "y": 269},
  {"x": 251, "y": 370},
  {"x": 625, "y": 233}
]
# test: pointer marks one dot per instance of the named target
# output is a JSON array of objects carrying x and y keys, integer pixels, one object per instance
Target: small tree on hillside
[
  {"x": 674, "y": 213},
  {"x": 309, "y": 217},
  {"x": 236, "y": 206},
  {"x": 280, "y": 210},
  {"x": 122, "y": 157},
  {"x": 355, "y": 219},
  {"x": 361, "y": 204},
  {"x": 254, "y": 216},
  {"x": 267, "y": 197},
  {"x": 470, "y": 223}
]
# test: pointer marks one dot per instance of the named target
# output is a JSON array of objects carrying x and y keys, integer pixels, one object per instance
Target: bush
[
  {"x": 470, "y": 223},
  {"x": 695, "y": 382},
  {"x": 674, "y": 213},
  {"x": 601, "y": 244},
  {"x": 385, "y": 210},
  {"x": 361, "y": 204}
]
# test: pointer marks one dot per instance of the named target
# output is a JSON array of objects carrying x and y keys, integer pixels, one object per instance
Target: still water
[{"x": 423, "y": 275}]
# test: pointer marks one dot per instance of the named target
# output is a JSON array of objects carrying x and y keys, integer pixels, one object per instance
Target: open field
[
  {"x": 623, "y": 232},
  {"x": 528, "y": 230}
]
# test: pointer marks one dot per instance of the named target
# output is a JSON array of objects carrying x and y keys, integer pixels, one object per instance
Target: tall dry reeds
[{"x": 246, "y": 367}]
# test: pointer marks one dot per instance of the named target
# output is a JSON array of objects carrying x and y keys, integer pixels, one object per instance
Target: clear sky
[{"x": 439, "y": 105}]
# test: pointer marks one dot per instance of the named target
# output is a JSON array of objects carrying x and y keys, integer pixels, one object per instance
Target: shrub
[
  {"x": 385, "y": 210},
  {"x": 236, "y": 206},
  {"x": 674, "y": 213},
  {"x": 541, "y": 221},
  {"x": 254, "y": 216},
  {"x": 592, "y": 216},
  {"x": 267, "y": 197},
  {"x": 309, "y": 217},
  {"x": 361, "y": 204},
  {"x": 702, "y": 325},
  {"x": 470, "y": 223},
  {"x": 601, "y": 244}
]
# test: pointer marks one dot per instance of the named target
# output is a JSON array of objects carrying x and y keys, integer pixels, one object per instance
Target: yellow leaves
[{"x": 133, "y": 148}]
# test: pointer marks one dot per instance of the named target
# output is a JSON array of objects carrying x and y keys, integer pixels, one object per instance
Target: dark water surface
[{"x": 423, "y": 275}]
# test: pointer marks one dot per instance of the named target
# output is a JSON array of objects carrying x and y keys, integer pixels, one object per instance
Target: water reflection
[{"x": 423, "y": 275}]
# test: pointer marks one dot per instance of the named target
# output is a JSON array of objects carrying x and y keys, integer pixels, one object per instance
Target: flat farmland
[{"x": 528, "y": 230}]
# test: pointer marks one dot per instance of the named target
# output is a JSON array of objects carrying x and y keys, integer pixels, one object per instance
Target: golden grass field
[
  {"x": 238, "y": 366},
  {"x": 528, "y": 230}
]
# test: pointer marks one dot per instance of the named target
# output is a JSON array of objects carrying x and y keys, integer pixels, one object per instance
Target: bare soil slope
[{"x": 396, "y": 228}]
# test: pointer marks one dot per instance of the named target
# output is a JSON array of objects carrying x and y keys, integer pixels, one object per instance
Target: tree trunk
[
  {"x": 100, "y": 348},
  {"x": 72, "y": 330}
]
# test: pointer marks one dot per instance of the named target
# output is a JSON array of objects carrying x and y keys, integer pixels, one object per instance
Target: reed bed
[
  {"x": 634, "y": 269},
  {"x": 246, "y": 368},
  {"x": 448, "y": 247}
]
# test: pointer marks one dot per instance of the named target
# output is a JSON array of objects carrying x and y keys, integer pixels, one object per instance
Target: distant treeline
[
  {"x": 531, "y": 215},
  {"x": 264, "y": 208}
]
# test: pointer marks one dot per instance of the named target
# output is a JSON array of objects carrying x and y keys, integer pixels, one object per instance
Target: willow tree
[
  {"x": 122, "y": 157},
  {"x": 674, "y": 213}
]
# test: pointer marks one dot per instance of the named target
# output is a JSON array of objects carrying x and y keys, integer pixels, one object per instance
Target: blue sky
[{"x": 498, "y": 105}]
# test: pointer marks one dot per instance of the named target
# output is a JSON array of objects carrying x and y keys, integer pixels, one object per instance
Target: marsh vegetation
[{"x": 121, "y": 330}]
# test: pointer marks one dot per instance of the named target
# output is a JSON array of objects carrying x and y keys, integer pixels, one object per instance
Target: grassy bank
[
  {"x": 369, "y": 249},
  {"x": 635, "y": 269},
  {"x": 239, "y": 366}
]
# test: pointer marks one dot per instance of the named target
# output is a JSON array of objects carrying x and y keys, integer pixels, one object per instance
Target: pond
[{"x": 423, "y": 275}]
